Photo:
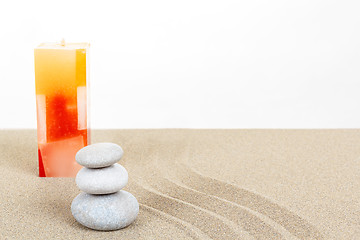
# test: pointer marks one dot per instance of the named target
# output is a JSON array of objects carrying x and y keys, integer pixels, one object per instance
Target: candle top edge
[{"x": 66, "y": 46}]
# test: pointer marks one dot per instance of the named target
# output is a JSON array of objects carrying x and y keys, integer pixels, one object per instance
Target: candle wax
[{"x": 61, "y": 99}]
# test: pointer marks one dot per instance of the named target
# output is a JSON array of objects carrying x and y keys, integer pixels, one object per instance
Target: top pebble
[{"x": 99, "y": 155}]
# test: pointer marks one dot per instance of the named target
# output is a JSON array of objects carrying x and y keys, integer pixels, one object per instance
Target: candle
[{"x": 61, "y": 81}]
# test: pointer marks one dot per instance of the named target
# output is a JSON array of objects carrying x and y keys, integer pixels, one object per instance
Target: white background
[{"x": 197, "y": 64}]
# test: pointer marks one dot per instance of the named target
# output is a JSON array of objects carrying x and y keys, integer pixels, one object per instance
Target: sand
[{"x": 199, "y": 184}]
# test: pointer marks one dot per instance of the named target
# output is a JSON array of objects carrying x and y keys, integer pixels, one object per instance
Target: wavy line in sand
[
  {"x": 256, "y": 224},
  {"x": 290, "y": 221},
  {"x": 211, "y": 224},
  {"x": 194, "y": 231}
]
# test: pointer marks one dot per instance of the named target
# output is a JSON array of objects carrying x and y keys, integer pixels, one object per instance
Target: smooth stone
[
  {"x": 99, "y": 155},
  {"x": 105, "y": 212},
  {"x": 102, "y": 180}
]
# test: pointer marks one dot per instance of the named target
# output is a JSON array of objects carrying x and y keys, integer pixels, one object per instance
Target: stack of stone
[{"x": 103, "y": 205}]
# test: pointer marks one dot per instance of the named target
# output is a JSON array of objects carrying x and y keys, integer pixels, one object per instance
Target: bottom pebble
[{"x": 105, "y": 212}]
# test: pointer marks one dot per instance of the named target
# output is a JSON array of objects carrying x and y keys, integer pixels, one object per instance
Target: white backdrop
[{"x": 198, "y": 64}]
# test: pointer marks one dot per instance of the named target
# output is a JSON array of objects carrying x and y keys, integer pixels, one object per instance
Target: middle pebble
[{"x": 102, "y": 180}]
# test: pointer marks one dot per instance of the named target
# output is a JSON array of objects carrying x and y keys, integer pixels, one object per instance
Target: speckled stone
[
  {"x": 102, "y": 180},
  {"x": 99, "y": 155},
  {"x": 105, "y": 212}
]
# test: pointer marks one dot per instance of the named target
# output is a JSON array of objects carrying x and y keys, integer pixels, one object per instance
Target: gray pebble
[
  {"x": 102, "y": 180},
  {"x": 99, "y": 155},
  {"x": 105, "y": 212}
]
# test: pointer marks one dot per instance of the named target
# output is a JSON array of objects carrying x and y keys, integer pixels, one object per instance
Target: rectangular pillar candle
[{"x": 61, "y": 81}]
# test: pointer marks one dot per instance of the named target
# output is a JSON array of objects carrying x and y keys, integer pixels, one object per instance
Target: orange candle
[{"x": 61, "y": 81}]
